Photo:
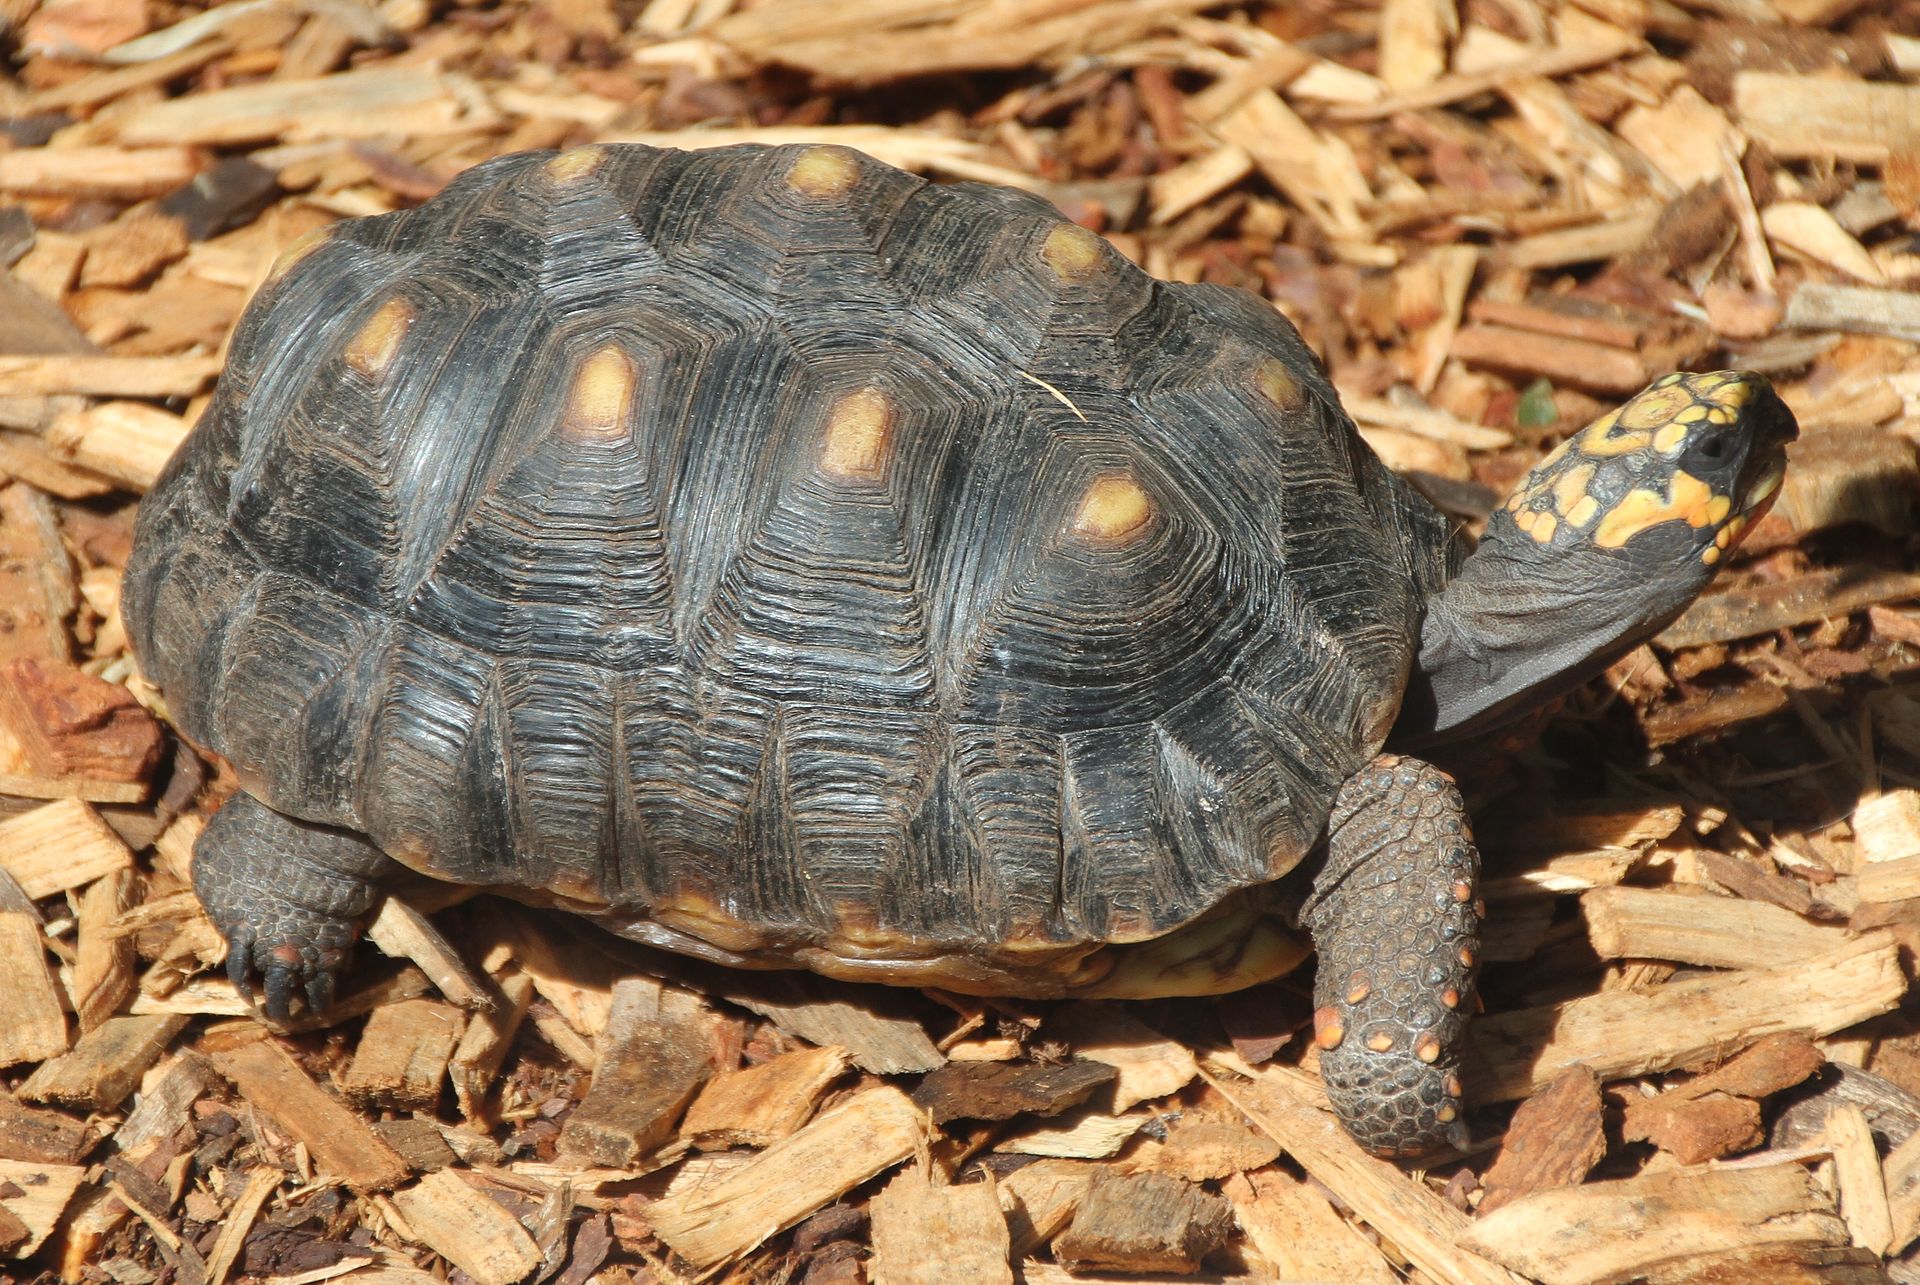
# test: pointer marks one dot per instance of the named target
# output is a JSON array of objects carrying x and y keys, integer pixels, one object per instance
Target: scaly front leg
[{"x": 1395, "y": 916}]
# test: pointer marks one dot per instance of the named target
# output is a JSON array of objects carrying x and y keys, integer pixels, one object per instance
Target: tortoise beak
[{"x": 1772, "y": 426}]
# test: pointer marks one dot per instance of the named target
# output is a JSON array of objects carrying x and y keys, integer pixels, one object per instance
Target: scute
[{"x": 789, "y": 554}]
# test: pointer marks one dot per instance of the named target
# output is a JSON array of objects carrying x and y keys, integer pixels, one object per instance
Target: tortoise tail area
[{"x": 1395, "y": 919}]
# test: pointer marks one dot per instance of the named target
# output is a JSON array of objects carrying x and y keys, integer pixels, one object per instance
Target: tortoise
[{"x": 785, "y": 560}]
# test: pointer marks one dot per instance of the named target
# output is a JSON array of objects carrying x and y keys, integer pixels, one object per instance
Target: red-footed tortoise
[{"x": 785, "y": 560}]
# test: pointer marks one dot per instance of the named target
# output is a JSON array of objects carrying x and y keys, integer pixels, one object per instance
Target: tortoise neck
[{"x": 1514, "y": 630}]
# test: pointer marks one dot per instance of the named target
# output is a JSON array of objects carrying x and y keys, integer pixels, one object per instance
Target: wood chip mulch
[{"x": 1699, "y": 1059}]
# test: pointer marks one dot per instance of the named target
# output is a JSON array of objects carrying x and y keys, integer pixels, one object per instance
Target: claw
[
  {"x": 240, "y": 963},
  {"x": 320, "y": 990},
  {"x": 279, "y": 991}
]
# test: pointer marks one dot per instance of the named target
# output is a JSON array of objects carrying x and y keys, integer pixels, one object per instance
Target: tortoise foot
[
  {"x": 289, "y": 897},
  {"x": 1395, "y": 916}
]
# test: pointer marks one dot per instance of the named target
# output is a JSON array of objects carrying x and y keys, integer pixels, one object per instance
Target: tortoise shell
[{"x": 787, "y": 559}]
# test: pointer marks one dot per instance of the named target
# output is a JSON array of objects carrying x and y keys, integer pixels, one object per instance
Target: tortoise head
[
  {"x": 1599, "y": 547},
  {"x": 1668, "y": 483}
]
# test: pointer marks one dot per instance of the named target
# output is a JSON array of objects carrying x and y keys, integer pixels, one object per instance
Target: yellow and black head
[
  {"x": 1671, "y": 480},
  {"x": 1604, "y": 542}
]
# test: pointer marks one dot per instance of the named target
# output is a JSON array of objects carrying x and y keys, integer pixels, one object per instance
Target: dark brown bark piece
[
  {"x": 1002, "y": 1090},
  {"x": 652, "y": 1062},
  {"x": 1696, "y": 1130},
  {"x": 41, "y": 1137},
  {"x": 1556, "y": 1137},
  {"x": 73, "y": 724},
  {"x": 1145, "y": 1223}
]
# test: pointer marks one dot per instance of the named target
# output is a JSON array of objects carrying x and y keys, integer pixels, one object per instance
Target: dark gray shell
[{"x": 683, "y": 671}]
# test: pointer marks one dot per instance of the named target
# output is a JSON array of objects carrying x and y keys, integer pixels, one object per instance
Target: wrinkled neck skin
[{"x": 1507, "y": 635}]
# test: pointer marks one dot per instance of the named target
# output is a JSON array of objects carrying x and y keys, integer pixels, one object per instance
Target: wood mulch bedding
[{"x": 1699, "y": 1059}]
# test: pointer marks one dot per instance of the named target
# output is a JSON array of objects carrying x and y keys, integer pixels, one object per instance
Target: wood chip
[
  {"x": 106, "y": 376},
  {"x": 1576, "y": 363},
  {"x": 1822, "y": 116},
  {"x": 483, "y": 1045},
  {"x": 654, "y": 1056},
  {"x": 1682, "y": 136},
  {"x": 1695, "y": 1129},
  {"x": 128, "y": 441},
  {"x": 103, "y": 978},
  {"x": 1808, "y": 229},
  {"x": 339, "y": 1140},
  {"x": 37, "y": 591},
  {"x": 1300, "y": 1236},
  {"x": 261, "y": 1183},
  {"x": 402, "y": 932},
  {"x": 1150, "y": 1065},
  {"x": 1630, "y": 1227},
  {"x": 32, "y": 1027},
  {"x": 106, "y": 1065},
  {"x": 760, "y": 1105},
  {"x": 51, "y": 1137},
  {"x": 69, "y": 733},
  {"x": 1699, "y": 928},
  {"x": 60, "y": 846},
  {"x": 468, "y": 1229},
  {"x": 43, "y": 1193},
  {"x": 1425, "y": 1228},
  {"x": 834, "y": 1016},
  {"x": 1040, "y": 1199},
  {"x": 1818, "y": 595},
  {"x": 867, "y": 1134},
  {"x": 925, "y": 1232},
  {"x": 1863, "y": 1188},
  {"x": 1859, "y": 309},
  {"x": 111, "y": 173},
  {"x": 1202, "y": 1146},
  {"x": 357, "y": 104},
  {"x": 401, "y": 1060},
  {"x": 1091, "y": 1134},
  {"x": 1634, "y": 1033}
]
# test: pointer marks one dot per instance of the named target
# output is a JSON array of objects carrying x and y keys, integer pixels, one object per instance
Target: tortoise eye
[{"x": 1714, "y": 448}]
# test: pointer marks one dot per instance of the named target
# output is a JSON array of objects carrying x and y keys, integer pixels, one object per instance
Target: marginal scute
[
  {"x": 1113, "y": 509},
  {"x": 575, "y": 164},
  {"x": 824, "y": 172},
  {"x": 1072, "y": 251},
  {"x": 374, "y": 346},
  {"x": 601, "y": 397},
  {"x": 859, "y": 436}
]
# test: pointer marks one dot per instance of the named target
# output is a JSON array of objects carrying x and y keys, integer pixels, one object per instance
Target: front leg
[
  {"x": 289, "y": 897},
  {"x": 1395, "y": 917}
]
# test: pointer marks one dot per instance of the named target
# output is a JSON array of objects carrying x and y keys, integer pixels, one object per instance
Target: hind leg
[
  {"x": 1395, "y": 918},
  {"x": 289, "y": 897}
]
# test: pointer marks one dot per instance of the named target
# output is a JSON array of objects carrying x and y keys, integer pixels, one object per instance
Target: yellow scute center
[
  {"x": 859, "y": 436},
  {"x": 372, "y": 349},
  {"x": 601, "y": 397},
  {"x": 1114, "y": 507}
]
